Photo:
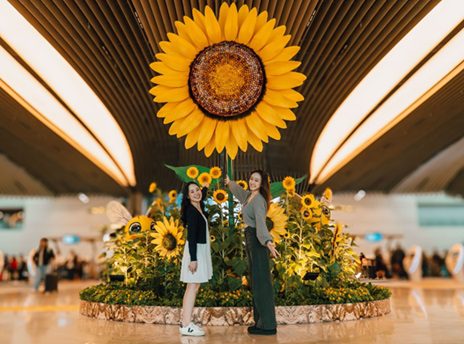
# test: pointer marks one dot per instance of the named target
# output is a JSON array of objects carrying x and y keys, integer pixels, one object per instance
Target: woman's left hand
[{"x": 271, "y": 246}]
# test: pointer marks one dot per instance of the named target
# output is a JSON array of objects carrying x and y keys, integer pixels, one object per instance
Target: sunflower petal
[
  {"x": 182, "y": 31},
  {"x": 182, "y": 109},
  {"x": 167, "y": 47},
  {"x": 196, "y": 34},
  {"x": 285, "y": 81},
  {"x": 162, "y": 68},
  {"x": 285, "y": 114},
  {"x": 269, "y": 115},
  {"x": 262, "y": 36},
  {"x": 190, "y": 122},
  {"x": 281, "y": 67},
  {"x": 167, "y": 94},
  {"x": 231, "y": 148},
  {"x": 271, "y": 130},
  {"x": 213, "y": 30},
  {"x": 292, "y": 95},
  {"x": 231, "y": 24},
  {"x": 277, "y": 99},
  {"x": 239, "y": 131},
  {"x": 274, "y": 48},
  {"x": 209, "y": 149},
  {"x": 261, "y": 21},
  {"x": 287, "y": 54},
  {"x": 192, "y": 138},
  {"x": 178, "y": 80},
  {"x": 254, "y": 141},
  {"x": 175, "y": 61},
  {"x": 247, "y": 28},
  {"x": 182, "y": 46},
  {"x": 207, "y": 130},
  {"x": 242, "y": 14},
  {"x": 221, "y": 135},
  {"x": 166, "y": 109},
  {"x": 199, "y": 19},
  {"x": 255, "y": 124},
  {"x": 223, "y": 13}
]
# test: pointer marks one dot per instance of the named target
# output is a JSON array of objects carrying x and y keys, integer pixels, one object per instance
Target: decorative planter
[{"x": 229, "y": 316}]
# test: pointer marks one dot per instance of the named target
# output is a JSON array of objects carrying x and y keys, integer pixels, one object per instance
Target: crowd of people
[
  {"x": 393, "y": 266},
  {"x": 16, "y": 267}
]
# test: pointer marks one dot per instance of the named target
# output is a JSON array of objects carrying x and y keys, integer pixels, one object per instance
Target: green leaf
[
  {"x": 277, "y": 188},
  {"x": 234, "y": 283},
  {"x": 181, "y": 171},
  {"x": 239, "y": 266}
]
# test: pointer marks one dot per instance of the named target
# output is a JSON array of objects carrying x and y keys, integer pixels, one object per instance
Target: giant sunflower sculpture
[
  {"x": 168, "y": 238},
  {"x": 227, "y": 82},
  {"x": 276, "y": 222}
]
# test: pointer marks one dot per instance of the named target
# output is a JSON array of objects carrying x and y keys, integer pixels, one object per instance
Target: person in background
[
  {"x": 396, "y": 260},
  {"x": 381, "y": 269},
  {"x": 42, "y": 259}
]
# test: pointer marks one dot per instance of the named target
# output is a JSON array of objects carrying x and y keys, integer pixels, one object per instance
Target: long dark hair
[
  {"x": 265, "y": 188},
  {"x": 186, "y": 202}
]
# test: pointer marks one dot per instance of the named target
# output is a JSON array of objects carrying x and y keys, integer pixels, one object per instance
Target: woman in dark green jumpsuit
[{"x": 259, "y": 244}]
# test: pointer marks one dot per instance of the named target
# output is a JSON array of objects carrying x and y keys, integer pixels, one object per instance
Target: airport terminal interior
[{"x": 231, "y": 171}]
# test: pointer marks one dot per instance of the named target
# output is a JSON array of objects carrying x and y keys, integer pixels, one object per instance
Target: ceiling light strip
[
  {"x": 438, "y": 71},
  {"x": 383, "y": 78},
  {"x": 33, "y": 96},
  {"x": 60, "y": 76}
]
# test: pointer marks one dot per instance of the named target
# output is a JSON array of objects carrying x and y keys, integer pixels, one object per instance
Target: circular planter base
[{"x": 229, "y": 316}]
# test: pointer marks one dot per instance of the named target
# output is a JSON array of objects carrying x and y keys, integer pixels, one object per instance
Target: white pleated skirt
[{"x": 204, "y": 263}]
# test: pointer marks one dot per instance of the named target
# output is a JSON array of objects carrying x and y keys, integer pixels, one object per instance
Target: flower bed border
[{"x": 230, "y": 316}]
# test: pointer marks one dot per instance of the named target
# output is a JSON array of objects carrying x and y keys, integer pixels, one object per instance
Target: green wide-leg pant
[{"x": 260, "y": 281}]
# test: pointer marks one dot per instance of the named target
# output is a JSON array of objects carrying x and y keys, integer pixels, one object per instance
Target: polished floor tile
[{"x": 431, "y": 311}]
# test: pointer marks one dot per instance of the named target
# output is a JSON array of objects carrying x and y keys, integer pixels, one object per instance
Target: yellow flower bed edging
[{"x": 229, "y": 316}]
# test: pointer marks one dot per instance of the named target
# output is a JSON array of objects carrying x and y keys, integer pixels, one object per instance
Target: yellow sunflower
[
  {"x": 291, "y": 192},
  {"x": 307, "y": 214},
  {"x": 227, "y": 82},
  {"x": 152, "y": 187},
  {"x": 276, "y": 222},
  {"x": 168, "y": 238},
  {"x": 327, "y": 195},
  {"x": 192, "y": 172},
  {"x": 289, "y": 183},
  {"x": 172, "y": 196},
  {"x": 308, "y": 201},
  {"x": 243, "y": 184},
  {"x": 220, "y": 196},
  {"x": 215, "y": 172},
  {"x": 204, "y": 178}
]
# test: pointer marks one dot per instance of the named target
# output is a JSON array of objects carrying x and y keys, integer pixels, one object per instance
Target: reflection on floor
[{"x": 428, "y": 312}]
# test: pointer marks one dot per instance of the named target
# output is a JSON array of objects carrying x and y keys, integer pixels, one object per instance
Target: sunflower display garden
[
  {"x": 317, "y": 263},
  {"x": 227, "y": 82}
]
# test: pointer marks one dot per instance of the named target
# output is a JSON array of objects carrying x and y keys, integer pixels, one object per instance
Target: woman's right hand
[
  {"x": 193, "y": 267},
  {"x": 226, "y": 180}
]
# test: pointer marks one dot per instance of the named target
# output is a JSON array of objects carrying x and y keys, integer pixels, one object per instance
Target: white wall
[
  {"x": 53, "y": 217},
  {"x": 395, "y": 214},
  {"x": 388, "y": 214}
]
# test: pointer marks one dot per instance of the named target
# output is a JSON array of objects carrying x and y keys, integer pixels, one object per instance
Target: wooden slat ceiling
[
  {"x": 111, "y": 43},
  {"x": 418, "y": 138},
  {"x": 44, "y": 155}
]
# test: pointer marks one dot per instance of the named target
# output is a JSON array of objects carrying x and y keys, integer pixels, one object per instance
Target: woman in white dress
[{"x": 197, "y": 265}]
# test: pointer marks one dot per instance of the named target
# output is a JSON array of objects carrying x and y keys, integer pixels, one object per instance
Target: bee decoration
[{"x": 134, "y": 226}]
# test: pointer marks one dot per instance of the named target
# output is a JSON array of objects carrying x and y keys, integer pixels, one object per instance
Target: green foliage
[
  {"x": 277, "y": 188},
  {"x": 311, "y": 244}
]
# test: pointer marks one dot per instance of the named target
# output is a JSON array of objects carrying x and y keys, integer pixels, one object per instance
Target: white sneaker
[{"x": 191, "y": 330}]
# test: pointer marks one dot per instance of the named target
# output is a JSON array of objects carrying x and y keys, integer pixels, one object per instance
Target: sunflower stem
[{"x": 230, "y": 173}]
